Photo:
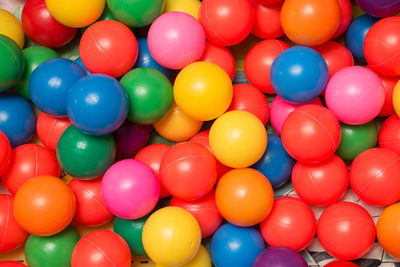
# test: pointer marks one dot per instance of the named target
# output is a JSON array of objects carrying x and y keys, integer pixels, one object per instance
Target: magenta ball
[
  {"x": 130, "y": 189},
  {"x": 280, "y": 109},
  {"x": 279, "y": 257},
  {"x": 176, "y": 39},
  {"x": 355, "y": 95}
]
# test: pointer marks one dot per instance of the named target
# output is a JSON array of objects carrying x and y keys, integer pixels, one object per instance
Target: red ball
[
  {"x": 204, "y": 210},
  {"x": 340, "y": 263},
  {"x": 374, "y": 176},
  {"x": 50, "y": 129},
  {"x": 269, "y": 2},
  {"x": 311, "y": 133},
  {"x": 42, "y": 28},
  {"x": 188, "y": 170},
  {"x": 388, "y": 85},
  {"x": 11, "y": 234},
  {"x": 226, "y": 22},
  {"x": 321, "y": 184},
  {"x": 346, "y": 230},
  {"x": 108, "y": 47},
  {"x": 11, "y": 264},
  {"x": 336, "y": 56},
  {"x": 28, "y": 161},
  {"x": 5, "y": 152},
  {"x": 346, "y": 15},
  {"x": 220, "y": 56},
  {"x": 291, "y": 223},
  {"x": 152, "y": 156},
  {"x": 382, "y": 45},
  {"x": 101, "y": 248},
  {"x": 250, "y": 99},
  {"x": 389, "y": 134},
  {"x": 258, "y": 62},
  {"x": 267, "y": 24},
  {"x": 90, "y": 208}
]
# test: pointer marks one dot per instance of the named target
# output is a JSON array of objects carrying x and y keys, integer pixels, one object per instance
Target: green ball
[
  {"x": 150, "y": 95},
  {"x": 11, "y": 63},
  {"x": 136, "y": 13},
  {"x": 356, "y": 139},
  {"x": 33, "y": 57},
  {"x": 51, "y": 251},
  {"x": 131, "y": 231},
  {"x": 85, "y": 156}
]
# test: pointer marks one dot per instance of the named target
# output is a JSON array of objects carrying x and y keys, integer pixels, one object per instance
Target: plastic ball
[
  {"x": 190, "y": 7},
  {"x": 311, "y": 134},
  {"x": 50, "y": 129},
  {"x": 5, "y": 153},
  {"x": 291, "y": 223},
  {"x": 244, "y": 197},
  {"x": 382, "y": 8},
  {"x": 44, "y": 205},
  {"x": 12, "y": 235},
  {"x": 201, "y": 259},
  {"x": 130, "y": 138},
  {"x": 101, "y": 248},
  {"x": 39, "y": 254},
  {"x": 267, "y": 24},
  {"x": 42, "y": 28},
  {"x": 310, "y": 22},
  {"x": 29, "y": 161},
  {"x": 90, "y": 207},
  {"x": 321, "y": 184},
  {"x": 269, "y": 2},
  {"x": 355, "y": 95},
  {"x": 131, "y": 231},
  {"x": 279, "y": 257},
  {"x": 12, "y": 65},
  {"x": 275, "y": 164},
  {"x": 299, "y": 74},
  {"x": 17, "y": 118},
  {"x": 346, "y": 230},
  {"x": 346, "y": 15},
  {"x": 226, "y": 22},
  {"x": 171, "y": 236},
  {"x": 108, "y": 47},
  {"x": 188, "y": 171},
  {"x": 50, "y": 83},
  {"x": 11, "y": 264},
  {"x": 33, "y": 57},
  {"x": 373, "y": 176},
  {"x": 85, "y": 156},
  {"x": 396, "y": 98},
  {"x": 341, "y": 263},
  {"x": 356, "y": 139},
  {"x": 250, "y": 99},
  {"x": 203, "y": 90},
  {"x": 11, "y": 27},
  {"x": 220, "y": 56},
  {"x": 76, "y": 14},
  {"x": 389, "y": 84},
  {"x": 235, "y": 246},
  {"x": 389, "y": 134},
  {"x": 388, "y": 231},
  {"x": 258, "y": 62},
  {"x": 78, "y": 61},
  {"x": 177, "y": 126},
  {"x": 136, "y": 13}
]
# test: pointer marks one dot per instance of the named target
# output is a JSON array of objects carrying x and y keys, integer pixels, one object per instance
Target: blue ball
[
  {"x": 80, "y": 63},
  {"x": 356, "y": 33},
  {"x": 50, "y": 83},
  {"x": 17, "y": 119},
  {"x": 299, "y": 74},
  {"x": 97, "y": 104},
  {"x": 275, "y": 163},
  {"x": 234, "y": 246}
]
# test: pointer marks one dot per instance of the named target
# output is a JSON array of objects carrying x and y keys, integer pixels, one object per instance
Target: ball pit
[{"x": 12, "y": 63}]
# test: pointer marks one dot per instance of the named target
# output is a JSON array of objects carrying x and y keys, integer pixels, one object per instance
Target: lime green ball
[
  {"x": 11, "y": 63},
  {"x": 150, "y": 95},
  {"x": 131, "y": 232}
]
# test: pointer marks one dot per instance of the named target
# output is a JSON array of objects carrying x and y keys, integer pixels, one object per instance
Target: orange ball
[
  {"x": 44, "y": 205},
  {"x": 310, "y": 22},
  {"x": 244, "y": 197},
  {"x": 387, "y": 230}
]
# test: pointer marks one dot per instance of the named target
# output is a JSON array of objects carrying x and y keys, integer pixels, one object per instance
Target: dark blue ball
[
  {"x": 299, "y": 74},
  {"x": 17, "y": 119}
]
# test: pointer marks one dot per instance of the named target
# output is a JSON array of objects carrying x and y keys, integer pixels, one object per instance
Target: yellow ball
[
  {"x": 177, "y": 126},
  {"x": 10, "y": 27},
  {"x": 76, "y": 13},
  {"x": 238, "y": 139},
  {"x": 203, "y": 90},
  {"x": 202, "y": 259},
  {"x": 190, "y": 7},
  {"x": 171, "y": 236},
  {"x": 396, "y": 98}
]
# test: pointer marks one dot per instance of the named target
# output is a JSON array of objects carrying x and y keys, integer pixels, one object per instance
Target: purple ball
[
  {"x": 130, "y": 138},
  {"x": 380, "y": 8},
  {"x": 279, "y": 257}
]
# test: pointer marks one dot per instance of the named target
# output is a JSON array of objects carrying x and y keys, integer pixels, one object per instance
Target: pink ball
[
  {"x": 355, "y": 95},
  {"x": 280, "y": 109},
  {"x": 130, "y": 189},
  {"x": 176, "y": 39}
]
